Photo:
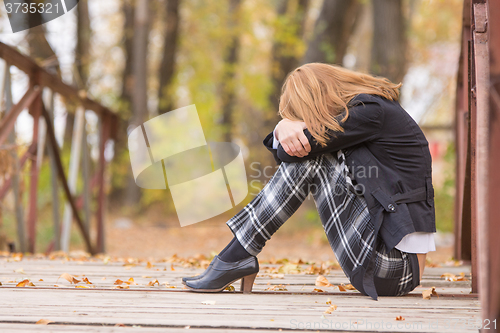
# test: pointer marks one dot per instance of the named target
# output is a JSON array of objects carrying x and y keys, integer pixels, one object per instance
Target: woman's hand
[{"x": 291, "y": 136}]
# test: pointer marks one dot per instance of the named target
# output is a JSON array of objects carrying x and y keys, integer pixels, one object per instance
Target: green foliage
[{"x": 445, "y": 194}]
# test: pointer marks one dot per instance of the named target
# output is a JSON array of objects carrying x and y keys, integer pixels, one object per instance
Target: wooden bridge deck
[{"x": 106, "y": 307}]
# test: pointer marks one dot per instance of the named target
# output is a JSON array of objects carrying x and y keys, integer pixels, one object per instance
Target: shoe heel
[{"x": 247, "y": 283}]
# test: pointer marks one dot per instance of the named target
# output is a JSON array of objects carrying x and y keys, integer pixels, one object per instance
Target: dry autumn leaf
[
  {"x": 44, "y": 322},
  {"x": 332, "y": 308},
  {"x": 400, "y": 318},
  {"x": 328, "y": 301},
  {"x": 317, "y": 290},
  {"x": 152, "y": 283},
  {"x": 149, "y": 265},
  {"x": 426, "y": 294},
  {"x": 278, "y": 287},
  {"x": 68, "y": 277},
  {"x": 347, "y": 286},
  {"x": 25, "y": 283},
  {"x": 453, "y": 277},
  {"x": 322, "y": 281},
  {"x": 230, "y": 288},
  {"x": 86, "y": 280},
  {"x": 118, "y": 281},
  {"x": 121, "y": 287}
]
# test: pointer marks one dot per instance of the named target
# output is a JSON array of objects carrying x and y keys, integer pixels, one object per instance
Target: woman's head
[{"x": 316, "y": 93}]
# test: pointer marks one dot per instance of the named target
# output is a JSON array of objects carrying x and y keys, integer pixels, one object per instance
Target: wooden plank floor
[{"x": 168, "y": 307}]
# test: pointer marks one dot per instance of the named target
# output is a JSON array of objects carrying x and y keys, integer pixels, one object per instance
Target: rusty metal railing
[
  {"x": 477, "y": 209},
  {"x": 40, "y": 80}
]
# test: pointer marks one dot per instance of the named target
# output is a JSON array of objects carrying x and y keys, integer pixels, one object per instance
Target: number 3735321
[{"x": 25, "y": 8}]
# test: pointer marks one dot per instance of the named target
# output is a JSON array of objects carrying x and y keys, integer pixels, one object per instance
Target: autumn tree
[
  {"x": 82, "y": 52},
  {"x": 389, "y": 40},
  {"x": 140, "y": 42},
  {"x": 167, "y": 67},
  {"x": 228, "y": 88},
  {"x": 332, "y": 31},
  {"x": 287, "y": 48}
]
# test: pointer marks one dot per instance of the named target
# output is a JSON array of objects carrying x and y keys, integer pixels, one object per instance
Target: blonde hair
[{"x": 316, "y": 93}]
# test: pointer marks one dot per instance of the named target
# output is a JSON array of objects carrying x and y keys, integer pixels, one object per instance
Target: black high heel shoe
[
  {"x": 190, "y": 278},
  {"x": 221, "y": 274}
]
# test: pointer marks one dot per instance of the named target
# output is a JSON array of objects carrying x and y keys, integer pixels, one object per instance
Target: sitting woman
[{"x": 345, "y": 139}]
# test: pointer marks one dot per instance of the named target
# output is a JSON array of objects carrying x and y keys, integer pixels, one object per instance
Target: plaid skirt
[{"x": 344, "y": 215}]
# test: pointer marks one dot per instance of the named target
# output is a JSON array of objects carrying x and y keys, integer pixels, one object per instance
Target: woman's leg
[{"x": 273, "y": 205}]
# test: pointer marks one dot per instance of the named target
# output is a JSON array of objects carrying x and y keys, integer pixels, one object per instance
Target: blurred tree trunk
[
  {"x": 82, "y": 56},
  {"x": 128, "y": 36},
  {"x": 228, "y": 91},
  {"x": 123, "y": 178},
  {"x": 167, "y": 67},
  {"x": 332, "y": 31},
  {"x": 285, "y": 57},
  {"x": 389, "y": 40},
  {"x": 142, "y": 26},
  {"x": 39, "y": 47}
]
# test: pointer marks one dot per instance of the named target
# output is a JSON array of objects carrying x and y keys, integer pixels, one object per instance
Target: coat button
[{"x": 391, "y": 207}]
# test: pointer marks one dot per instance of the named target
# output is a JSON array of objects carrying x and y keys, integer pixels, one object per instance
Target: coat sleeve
[
  {"x": 268, "y": 142},
  {"x": 363, "y": 124}
]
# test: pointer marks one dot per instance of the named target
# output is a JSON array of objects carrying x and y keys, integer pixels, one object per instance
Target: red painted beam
[{"x": 8, "y": 122}]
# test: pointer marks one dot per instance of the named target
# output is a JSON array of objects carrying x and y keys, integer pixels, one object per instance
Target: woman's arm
[
  {"x": 364, "y": 123},
  {"x": 290, "y": 135}
]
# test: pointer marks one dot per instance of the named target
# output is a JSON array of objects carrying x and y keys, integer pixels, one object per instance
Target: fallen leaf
[
  {"x": 20, "y": 271},
  {"x": 278, "y": 287},
  {"x": 316, "y": 290},
  {"x": 453, "y": 277},
  {"x": 328, "y": 301},
  {"x": 322, "y": 281},
  {"x": 121, "y": 287},
  {"x": 426, "y": 294},
  {"x": 131, "y": 282},
  {"x": 230, "y": 288},
  {"x": 86, "y": 280},
  {"x": 41, "y": 280},
  {"x": 400, "y": 318},
  {"x": 44, "y": 322},
  {"x": 0, "y": 283},
  {"x": 208, "y": 302},
  {"x": 25, "y": 283},
  {"x": 332, "y": 308},
  {"x": 120, "y": 325},
  {"x": 84, "y": 287},
  {"x": 118, "y": 281},
  {"x": 149, "y": 265},
  {"x": 69, "y": 278},
  {"x": 152, "y": 283},
  {"x": 347, "y": 286},
  {"x": 172, "y": 267},
  {"x": 289, "y": 268},
  {"x": 341, "y": 288}
]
